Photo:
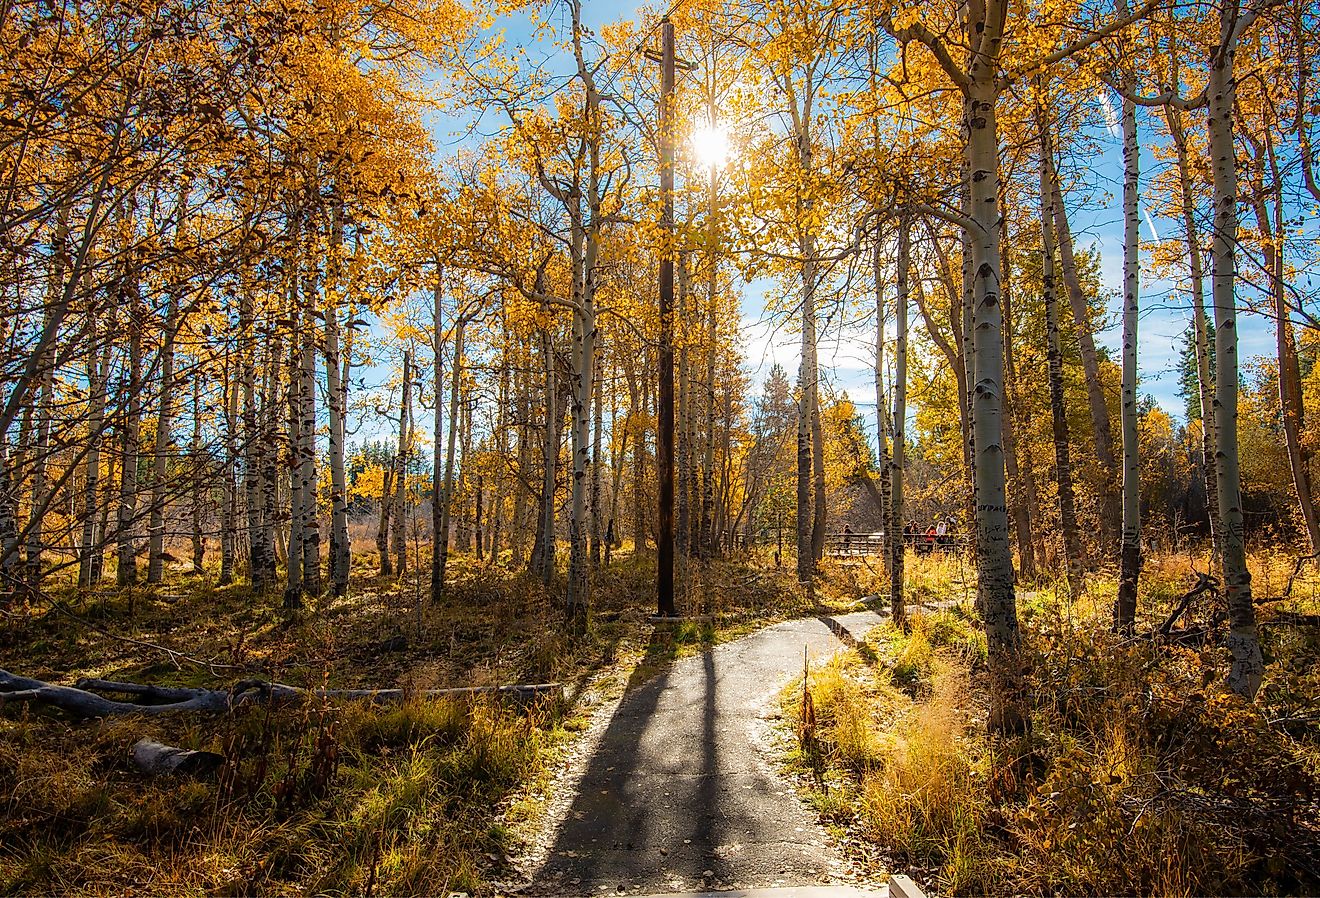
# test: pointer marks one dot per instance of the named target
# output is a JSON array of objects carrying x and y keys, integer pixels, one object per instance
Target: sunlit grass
[
  {"x": 429, "y": 797},
  {"x": 1124, "y": 786}
]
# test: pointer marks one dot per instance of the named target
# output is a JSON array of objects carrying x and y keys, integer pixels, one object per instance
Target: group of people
[{"x": 938, "y": 535}]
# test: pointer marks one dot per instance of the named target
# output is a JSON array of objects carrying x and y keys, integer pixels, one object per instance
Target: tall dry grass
[{"x": 1141, "y": 775}]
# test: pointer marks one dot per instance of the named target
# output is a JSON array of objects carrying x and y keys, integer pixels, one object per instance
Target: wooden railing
[{"x": 844, "y": 544}]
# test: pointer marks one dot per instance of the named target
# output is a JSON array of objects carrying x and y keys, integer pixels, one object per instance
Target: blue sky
[{"x": 846, "y": 359}]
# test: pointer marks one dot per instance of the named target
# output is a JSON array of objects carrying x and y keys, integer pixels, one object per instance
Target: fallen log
[
  {"x": 83, "y": 700},
  {"x": 155, "y": 759}
]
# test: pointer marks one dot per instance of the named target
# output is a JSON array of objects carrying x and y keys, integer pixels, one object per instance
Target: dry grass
[
  {"x": 425, "y": 798},
  {"x": 1141, "y": 775}
]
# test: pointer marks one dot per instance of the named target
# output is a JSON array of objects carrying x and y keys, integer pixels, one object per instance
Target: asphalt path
[{"x": 680, "y": 792}]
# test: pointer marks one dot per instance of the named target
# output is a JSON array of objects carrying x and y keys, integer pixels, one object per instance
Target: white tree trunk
[
  {"x": 1125, "y": 607},
  {"x": 1248, "y": 667},
  {"x": 896, "y": 511}
]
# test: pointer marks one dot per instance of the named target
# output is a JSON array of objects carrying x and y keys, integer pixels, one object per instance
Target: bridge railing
[{"x": 845, "y": 544}]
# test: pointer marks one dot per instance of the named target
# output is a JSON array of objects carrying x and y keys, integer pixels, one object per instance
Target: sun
[{"x": 710, "y": 145}]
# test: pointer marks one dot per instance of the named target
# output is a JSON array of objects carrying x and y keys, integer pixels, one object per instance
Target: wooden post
[{"x": 665, "y": 426}]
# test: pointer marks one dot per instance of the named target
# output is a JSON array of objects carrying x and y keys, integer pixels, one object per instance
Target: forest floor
[
  {"x": 1140, "y": 774},
  {"x": 332, "y": 798}
]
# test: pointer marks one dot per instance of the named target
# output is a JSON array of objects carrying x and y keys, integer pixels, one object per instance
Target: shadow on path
[{"x": 678, "y": 794}]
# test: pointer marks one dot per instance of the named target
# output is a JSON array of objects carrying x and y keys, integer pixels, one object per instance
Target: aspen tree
[
  {"x": 1125, "y": 605},
  {"x": 897, "y": 462},
  {"x": 1247, "y": 669},
  {"x": 1173, "y": 116},
  {"x": 402, "y": 456},
  {"x": 1072, "y": 545}
]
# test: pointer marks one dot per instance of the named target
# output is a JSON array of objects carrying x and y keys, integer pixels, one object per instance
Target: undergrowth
[
  {"x": 1141, "y": 774},
  {"x": 428, "y": 797}
]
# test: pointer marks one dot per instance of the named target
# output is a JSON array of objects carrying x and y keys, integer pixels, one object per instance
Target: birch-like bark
[
  {"x": 543, "y": 553},
  {"x": 636, "y": 423},
  {"x": 994, "y": 555},
  {"x": 197, "y": 485},
  {"x": 968, "y": 332},
  {"x": 337, "y": 365},
  {"x": 686, "y": 470},
  {"x": 708, "y": 535},
  {"x": 399, "y": 541},
  {"x": 45, "y": 397},
  {"x": 520, "y": 521},
  {"x": 310, "y": 546},
  {"x": 446, "y": 501},
  {"x": 890, "y": 536},
  {"x": 597, "y": 464},
  {"x": 293, "y": 587},
  {"x": 261, "y": 553},
  {"x": 273, "y": 482},
  {"x": 341, "y": 552},
  {"x": 898, "y": 609},
  {"x": 584, "y": 342},
  {"x": 1125, "y": 606},
  {"x": 478, "y": 506},
  {"x": 499, "y": 486},
  {"x": 1248, "y": 666},
  {"x": 383, "y": 523}
]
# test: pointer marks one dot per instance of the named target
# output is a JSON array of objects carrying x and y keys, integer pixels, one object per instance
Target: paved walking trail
[{"x": 680, "y": 794}]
